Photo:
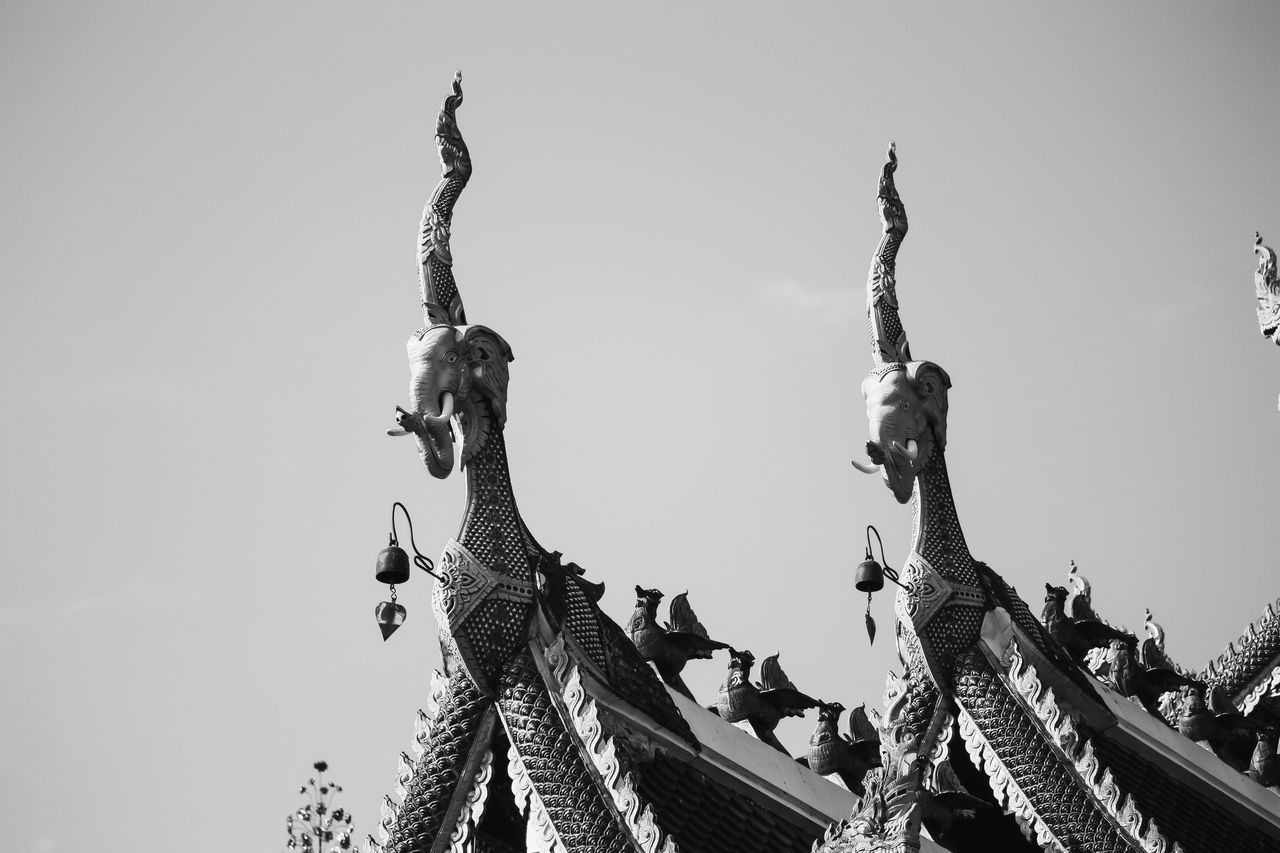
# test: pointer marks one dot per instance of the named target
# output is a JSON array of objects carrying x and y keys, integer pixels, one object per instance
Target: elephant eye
[
  {"x": 906, "y": 404},
  {"x": 451, "y": 357}
]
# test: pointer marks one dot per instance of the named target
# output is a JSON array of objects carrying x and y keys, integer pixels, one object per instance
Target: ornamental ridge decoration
[
  {"x": 927, "y": 592},
  {"x": 1120, "y": 807},
  {"x": 637, "y": 816},
  {"x": 466, "y": 582},
  {"x": 1265, "y": 688},
  {"x": 540, "y": 833},
  {"x": 1007, "y": 792},
  {"x": 1219, "y": 667},
  {"x": 461, "y": 840}
]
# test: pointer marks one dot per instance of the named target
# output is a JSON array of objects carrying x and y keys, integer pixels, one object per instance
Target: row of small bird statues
[
  {"x": 1143, "y": 672},
  {"x": 1138, "y": 670},
  {"x": 762, "y": 705}
]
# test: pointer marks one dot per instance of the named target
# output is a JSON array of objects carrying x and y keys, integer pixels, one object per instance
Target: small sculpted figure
[
  {"x": 1077, "y": 637},
  {"x": 1224, "y": 734},
  {"x": 1148, "y": 685},
  {"x": 850, "y": 756},
  {"x": 669, "y": 648},
  {"x": 763, "y": 704},
  {"x": 1263, "y": 767}
]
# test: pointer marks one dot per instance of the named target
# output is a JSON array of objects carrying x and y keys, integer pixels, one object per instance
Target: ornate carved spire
[
  {"x": 888, "y": 338},
  {"x": 1268, "y": 289},
  {"x": 441, "y": 302}
]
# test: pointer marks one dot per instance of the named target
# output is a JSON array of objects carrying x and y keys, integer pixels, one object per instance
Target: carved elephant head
[
  {"x": 907, "y": 411},
  {"x": 454, "y": 372}
]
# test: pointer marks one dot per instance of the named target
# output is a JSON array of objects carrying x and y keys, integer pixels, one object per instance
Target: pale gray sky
[{"x": 209, "y": 222}]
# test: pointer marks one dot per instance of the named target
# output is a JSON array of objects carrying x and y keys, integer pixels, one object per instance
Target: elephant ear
[
  {"x": 488, "y": 355},
  {"x": 931, "y": 383}
]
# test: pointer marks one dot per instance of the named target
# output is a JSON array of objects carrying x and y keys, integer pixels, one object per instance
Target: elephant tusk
[
  {"x": 446, "y": 409},
  {"x": 868, "y": 468},
  {"x": 911, "y": 451}
]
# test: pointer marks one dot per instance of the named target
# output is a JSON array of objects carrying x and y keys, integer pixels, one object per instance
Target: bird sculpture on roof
[
  {"x": 848, "y": 756},
  {"x": 1225, "y": 734},
  {"x": 669, "y": 647},
  {"x": 764, "y": 703},
  {"x": 1263, "y": 767},
  {"x": 1077, "y": 636}
]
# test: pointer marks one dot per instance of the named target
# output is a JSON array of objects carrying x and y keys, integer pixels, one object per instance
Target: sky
[{"x": 208, "y": 236}]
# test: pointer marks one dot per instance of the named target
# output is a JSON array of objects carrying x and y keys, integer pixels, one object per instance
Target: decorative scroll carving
[
  {"x": 888, "y": 338},
  {"x": 467, "y": 582},
  {"x": 540, "y": 833},
  {"x": 1267, "y": 687},
  {"x": 387, "y": 815},
  {"x": 1006, "y": 790},
  {"x": 636, "y": 814},
  {"x": 460, "y": 840},
  {"x": 928, "y": 592},
  {"x": 1098, "y": 780},
  {"x": 404, "y": 775}
]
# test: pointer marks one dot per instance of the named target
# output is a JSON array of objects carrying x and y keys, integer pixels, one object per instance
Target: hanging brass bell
[
  {"x": 393, "y": 565},
  {"x": 869, "y": 577}
]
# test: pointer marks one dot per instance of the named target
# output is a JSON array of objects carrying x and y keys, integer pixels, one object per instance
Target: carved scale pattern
[
  {"x": 1025, "y": 773},
  {"x": 491, "y": 531},
  {"x": 583, "y": 623},
  {"x": 461, "y": 840},
  {"x": 550, "y": 759},
  {"x": 446, "y": 745},
  {"x": 636, "y": 814},
  {"x": 1246, "y": 659}
]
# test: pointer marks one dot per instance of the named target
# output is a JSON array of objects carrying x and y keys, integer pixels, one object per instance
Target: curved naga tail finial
[
  {"x": 441, "y": 302},
  {"x": 1268, "y": 289},
  {"x": 888, "y": 338}
]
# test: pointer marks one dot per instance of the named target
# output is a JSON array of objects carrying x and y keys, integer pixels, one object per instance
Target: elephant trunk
[{"x": 435, "y": 437}]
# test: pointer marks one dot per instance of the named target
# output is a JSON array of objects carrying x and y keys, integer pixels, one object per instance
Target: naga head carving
[
  {"x": 907, "y": 416},
  {"x": 456, "y": 371}
]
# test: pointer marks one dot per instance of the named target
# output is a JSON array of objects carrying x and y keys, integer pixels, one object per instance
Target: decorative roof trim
[
  {"x": 540, "y": 833},
  {"x": 1266, "y": 686},
  {"x": 387, "y": 815},
  {"x": 1117, "y": 805},
  {"x": 460, "y": 840},
  {"x": 636, "y": 814},
  {"x": 1004, "y": 787},
  {"x": 1267, "y": 624}
]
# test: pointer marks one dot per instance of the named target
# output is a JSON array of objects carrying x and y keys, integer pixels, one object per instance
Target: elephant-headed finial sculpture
[
  {"x": 906, "y": 399},
  {"x": 455, "y": 368},
  {"x": 507, "y": 609},
  {"x": 959, "y": 625}
]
